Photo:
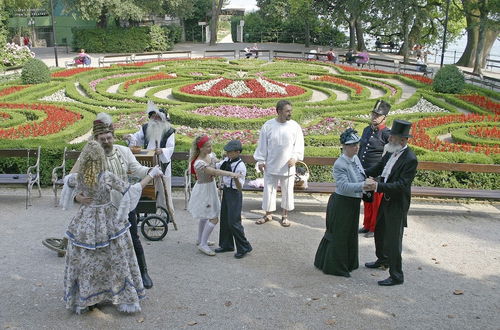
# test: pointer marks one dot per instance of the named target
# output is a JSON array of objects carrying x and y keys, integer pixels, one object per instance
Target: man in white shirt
[
  {"x": 159, "y": 135},
  {"x": 280, "y": 146}
]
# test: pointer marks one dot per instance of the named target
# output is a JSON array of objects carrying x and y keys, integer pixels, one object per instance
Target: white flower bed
[
  {"x": 59, "y": 96},
  {"x": 206, "y": 86},
  {"x": 422, "y": 106},
  {"x": 270, "y": 87},
  {"x": 236, "y": 89}
]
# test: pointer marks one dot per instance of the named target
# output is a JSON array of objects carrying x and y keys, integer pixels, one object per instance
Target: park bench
[
  {"x": 230, "y": 53},
  {"x": 329, "y": 187},
  {"x": 114, "y": 58},
  {"x": 384, "y": 62},
  {"x": 416, "y": 67},
  {"x": 27, "y": 179},
  {"x": 481, "y": 80},
  {"x": 57, "y": 180},
  {"x": 11, "y": 69},
  {"x": 288, "y": 54},
  {"x": 387, "y": 46},
  {"x": 242, "y": 53},
  {"x": 492, "y": 64}
]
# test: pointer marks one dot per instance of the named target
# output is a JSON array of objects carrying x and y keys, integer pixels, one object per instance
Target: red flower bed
[
  {"x": 485, "y": 132},
  {"x": 422, "y": 139},
  {"x": 258, "y": 90},
  {"x": 70, "y": 72},
  {"x": 13, "y": 89},
  {"x": 422, "y": 79},
  {"x": 357, "y": 87},
  {"x": 482, "y": 101},
  {"x": 4, "y": 116},
  {"x": 57, "y": 119},
  {"x": 348, "y": 68},
  {"x": 158, "y": 76}
]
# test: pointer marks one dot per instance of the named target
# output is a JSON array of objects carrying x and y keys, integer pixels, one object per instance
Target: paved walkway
[
  {"x": 47, "y": 54},
  {"x": 450, "y": 260}
]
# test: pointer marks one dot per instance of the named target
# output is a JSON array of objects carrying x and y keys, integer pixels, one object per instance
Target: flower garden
[{"x": 232, "y": 99}]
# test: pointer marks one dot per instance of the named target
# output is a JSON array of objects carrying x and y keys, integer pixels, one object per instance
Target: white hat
[{"x": 152, "y": 108}]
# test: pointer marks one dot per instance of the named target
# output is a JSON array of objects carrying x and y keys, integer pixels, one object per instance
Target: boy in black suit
[{"x": 231, "y": 230}]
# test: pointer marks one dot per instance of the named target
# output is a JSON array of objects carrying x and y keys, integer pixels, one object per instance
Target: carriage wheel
[
  {"x": 162, "y": 212},
  {"x": 154, "y": 227}
]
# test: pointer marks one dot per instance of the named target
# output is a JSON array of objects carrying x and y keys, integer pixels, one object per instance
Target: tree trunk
[
  {"x": 352, "y": 32},
  {"x": 102, "y": 22},
  {"x": 480, "y": 44},
  {"x": 406, "y": 32},
  {"x": 489, "y": 39},
  {"x": 183, "y": 29},
  {"x": 469, "y": 55},
  {"x": 307, "y": 42},
  {"x": 359, "y": 35},
  {"x": 216, "y": 9}
]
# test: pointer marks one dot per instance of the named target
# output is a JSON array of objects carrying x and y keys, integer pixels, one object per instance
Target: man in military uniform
[{"x": 375, "y": 136}]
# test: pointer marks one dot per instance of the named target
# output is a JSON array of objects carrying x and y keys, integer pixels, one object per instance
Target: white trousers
[
  {"x": 161, "y": 195},
  {"x": 270, "y": 189}
]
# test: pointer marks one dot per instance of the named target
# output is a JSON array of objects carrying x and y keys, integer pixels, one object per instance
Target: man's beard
[
  {"x": 392, "y": 147},
  {"x": 108, "y": 148},
  {"x": 156, "y": 129}
]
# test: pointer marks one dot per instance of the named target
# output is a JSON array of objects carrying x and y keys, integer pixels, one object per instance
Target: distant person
[
  {"x": 27, "y": 41},
  {"x": 312, "y": 54},
  {"x": 82, "y": 58},
  {"x": 421, "y": 66},
  {"x": 330, "y": 56},
  {"x": 362, "y": 58},
  {"x": 255, "y": 50},
  {"x": 378, "y": 44},
  {"x": 392, "y": 45},
  {"x": 349, "y": 57}
]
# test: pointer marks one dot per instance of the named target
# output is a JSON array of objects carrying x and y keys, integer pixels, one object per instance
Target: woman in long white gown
[{"x": 101, "y": 265}]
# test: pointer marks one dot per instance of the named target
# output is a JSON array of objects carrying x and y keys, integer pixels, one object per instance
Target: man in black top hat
[
  {"x": 375, "y": 136},
  {"x": 396, "y": 171},
  {"x": 231, "y": 230}
]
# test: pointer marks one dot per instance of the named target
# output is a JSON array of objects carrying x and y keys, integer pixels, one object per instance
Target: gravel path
[{"x": 448, "y": 248}]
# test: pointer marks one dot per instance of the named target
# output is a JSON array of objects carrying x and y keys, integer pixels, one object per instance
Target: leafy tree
[
  {"x": 482, "y": 18},
  {"x": 183, "y": 9}
]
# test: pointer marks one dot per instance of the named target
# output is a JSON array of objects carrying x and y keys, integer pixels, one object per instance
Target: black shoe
[
  {"x": 146, "y": 281},
  {"x": 363, "y": 230},
  {"x": 240, "y": 255},
  {"x": 389, "y": 282},
  {"x": 376, "y": 264},
  {"x": 221, "y": 250}
]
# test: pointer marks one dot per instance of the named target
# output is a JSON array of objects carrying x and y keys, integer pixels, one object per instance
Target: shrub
[
  {"x": 449, "y": 79},
  {"x": 158, "y": 40},
  {"x": 13, "y": 55},
  {"x": 174, "y": 34},
  {"x": 111, "y": 40},
  {"x": 35, "y": 72}
]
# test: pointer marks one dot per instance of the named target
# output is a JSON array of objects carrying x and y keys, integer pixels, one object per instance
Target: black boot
[{"x": 146, "y": 280}]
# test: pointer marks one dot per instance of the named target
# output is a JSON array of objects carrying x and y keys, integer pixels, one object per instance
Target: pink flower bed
[
  {"x": 252, "y": 88},
  {"x": 221, "y": 136},
  {"x": 236, "y": 111},
  {"x": 328, "y": 126}
]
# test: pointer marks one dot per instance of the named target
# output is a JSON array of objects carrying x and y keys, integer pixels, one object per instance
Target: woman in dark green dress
[{"x": 338, "y": 251}]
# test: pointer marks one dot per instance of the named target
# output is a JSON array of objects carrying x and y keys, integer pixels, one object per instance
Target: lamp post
[
  {"x": 53, "y": 31},
  {"x": 444, "y": 32}
]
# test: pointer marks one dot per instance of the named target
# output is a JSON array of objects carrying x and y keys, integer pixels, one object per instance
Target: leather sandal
[
  {"x": 264, "y": 219},
  {"x": 284, "y": 222}
]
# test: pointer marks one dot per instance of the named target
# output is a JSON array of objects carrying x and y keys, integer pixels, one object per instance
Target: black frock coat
[{"x": 394, "y": 208}]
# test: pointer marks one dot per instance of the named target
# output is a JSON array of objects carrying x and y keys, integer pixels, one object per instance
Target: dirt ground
[{"x": 451, "y": 261}]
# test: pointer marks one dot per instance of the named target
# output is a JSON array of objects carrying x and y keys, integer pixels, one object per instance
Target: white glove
[{"x": 155, "y": 171}]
